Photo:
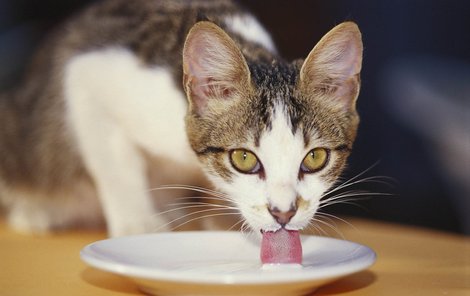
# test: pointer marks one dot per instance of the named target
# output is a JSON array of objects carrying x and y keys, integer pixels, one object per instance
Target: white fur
[
  {"x": 281, "y": 154},
  {"x": 118, "y": 107},
  {"x": 249, "y": 28}
]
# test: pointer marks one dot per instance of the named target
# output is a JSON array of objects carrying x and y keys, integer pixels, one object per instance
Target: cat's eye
[
  {"x": 315, "y": 160},
  {"x": 245, "y": 161}
]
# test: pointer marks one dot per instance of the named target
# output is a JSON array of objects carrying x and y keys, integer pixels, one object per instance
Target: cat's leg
[
  {"x": 24, "y": 211},
  {"x": 111, "y": 157},
  {"x": 119, "y": 107},
  {"x": 119, "y": 171},
  {"x": 32, "y": 210},
  {"x": 27, "y": 217}
]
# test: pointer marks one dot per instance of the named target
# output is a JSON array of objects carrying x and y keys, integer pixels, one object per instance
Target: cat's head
[{"x": 273, "y": 136}]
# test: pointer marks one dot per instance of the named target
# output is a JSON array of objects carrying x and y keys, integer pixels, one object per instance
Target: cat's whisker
[
  {"x": 343, "y": 199},
  {"x": 350, "y": 197},
  {"x": 353, "y": 193},
  {"x": 325, "y": 217},
  {"x": 199, "y": 212},
  {"x": 198, "y": 218},
  {"x": 186, "y": 206},
  {"x": 355, "y": 180},
  {"x": 200, "y": 197},
  {"x": 352, "y": 202},
  {"x": 340, "y": 195},
  {"x": 246, "y": 231},
  {"x": 365, "y": 171},
  {"x": 331, "y": 217},
  {"x": 234, "y": 211},
  {"x": 385, "y": 180},
  {"x": 191, "y": 188},
  {"x": 201, "y": 204},
  {"x": 316, "y": 228},
  {"x": 241, "y": 220},
  {"x": 329, "y": 225},
  {"x": 245, "y": 227},
  {"x": 372, "y": 179}
]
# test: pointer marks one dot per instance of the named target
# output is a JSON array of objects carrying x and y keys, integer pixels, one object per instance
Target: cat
[{"x": 198, "y": 85}]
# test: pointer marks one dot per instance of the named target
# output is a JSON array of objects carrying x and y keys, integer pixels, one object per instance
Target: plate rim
[{"x": 306, "y": 275}]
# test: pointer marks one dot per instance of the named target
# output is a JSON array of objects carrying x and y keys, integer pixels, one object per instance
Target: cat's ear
[
  {"x": 214, "y": 69},
  {"x": 331, "y": 70}
]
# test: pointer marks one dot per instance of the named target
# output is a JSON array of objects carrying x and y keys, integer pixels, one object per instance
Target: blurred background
[{"x": 414, "y": 102}]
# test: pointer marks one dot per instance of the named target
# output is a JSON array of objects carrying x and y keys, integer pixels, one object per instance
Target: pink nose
[{"x": 282, "y": 217}]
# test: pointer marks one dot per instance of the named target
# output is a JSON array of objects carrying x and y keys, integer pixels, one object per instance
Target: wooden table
[{"x": 411, "y": 261}]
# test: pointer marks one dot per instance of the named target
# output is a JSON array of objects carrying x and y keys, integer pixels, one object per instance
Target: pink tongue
[{"x": 282, "y": 246}]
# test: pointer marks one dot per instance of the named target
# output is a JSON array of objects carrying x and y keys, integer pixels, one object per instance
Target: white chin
[
  {"x": 271, "y": 228},
  {"x": 292, "y": 227}
]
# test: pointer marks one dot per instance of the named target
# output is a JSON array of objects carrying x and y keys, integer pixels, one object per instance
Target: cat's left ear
[
  {"x": 214, "y": 69},
  {"x": 331, "y": 70}
]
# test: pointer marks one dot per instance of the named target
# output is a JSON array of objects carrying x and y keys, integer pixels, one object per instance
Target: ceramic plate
[{"x": 222, "y": 263}]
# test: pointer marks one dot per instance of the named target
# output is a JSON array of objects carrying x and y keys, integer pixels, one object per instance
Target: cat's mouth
[{"x": 274, "y": 228}]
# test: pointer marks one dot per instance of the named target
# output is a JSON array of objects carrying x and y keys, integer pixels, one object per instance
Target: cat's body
[{"x": 104, "y": 96}]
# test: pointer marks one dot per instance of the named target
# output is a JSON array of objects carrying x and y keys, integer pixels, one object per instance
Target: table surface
[{"x": 411, "y": 261}]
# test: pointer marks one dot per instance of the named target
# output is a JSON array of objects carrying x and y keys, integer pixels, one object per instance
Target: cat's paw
[
  {"x": 137, "y": 225},
  {"x": 29, "y": 221}
]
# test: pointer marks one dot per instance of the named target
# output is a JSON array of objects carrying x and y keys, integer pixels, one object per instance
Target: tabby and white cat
[{"x": 104, "y": 95}]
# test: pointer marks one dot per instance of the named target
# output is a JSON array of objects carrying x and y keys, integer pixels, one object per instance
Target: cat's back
[{"x": 153, "y": 30}]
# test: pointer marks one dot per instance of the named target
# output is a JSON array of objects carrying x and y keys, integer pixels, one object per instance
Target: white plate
[{"x": 222, "y": 263}]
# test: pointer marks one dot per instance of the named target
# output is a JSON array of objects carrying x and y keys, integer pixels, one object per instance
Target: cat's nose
[{"x": 282, "y": 217}]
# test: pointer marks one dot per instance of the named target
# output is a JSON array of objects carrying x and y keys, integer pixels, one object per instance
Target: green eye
[
  {"x": 245, "y": 161},
  {"x": 315, "y": 160}
]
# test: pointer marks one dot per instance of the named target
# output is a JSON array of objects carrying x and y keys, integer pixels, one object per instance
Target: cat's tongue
[{"x": 281, "y": 247}]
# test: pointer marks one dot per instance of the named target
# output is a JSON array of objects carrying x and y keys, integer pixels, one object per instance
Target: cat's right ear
[
  {"x": 214, "y": 69},
  {"x": 331, "y": 70}
]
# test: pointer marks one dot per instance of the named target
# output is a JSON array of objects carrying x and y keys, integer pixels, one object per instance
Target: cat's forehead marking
[{"x": 275, "y": 84}]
